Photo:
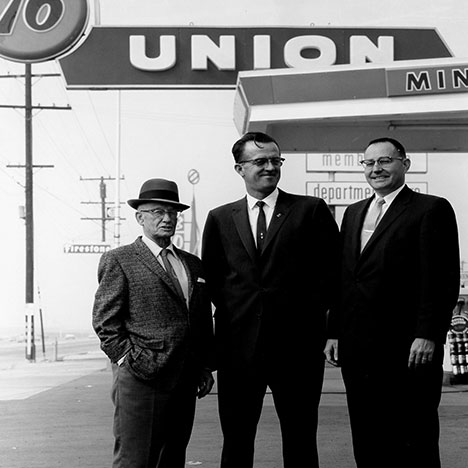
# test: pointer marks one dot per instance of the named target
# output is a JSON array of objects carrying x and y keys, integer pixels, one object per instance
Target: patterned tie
[
  {"x": 370, "y": 222},
  {"x": 261, "y": 226},
  {"x": 171, "y": 272}
]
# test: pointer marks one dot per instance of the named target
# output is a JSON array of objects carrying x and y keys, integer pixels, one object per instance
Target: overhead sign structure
[
  {"x": 40, "y": 30},
  {"x": 346, "y": 193},
  {"x": 349, "y": 162},
  {"x": 339, "y": 109},
  {"x": 204, "y": 57}
]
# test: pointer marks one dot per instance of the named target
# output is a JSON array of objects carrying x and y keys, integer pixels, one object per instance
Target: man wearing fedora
[{"x": 152, "y": 314}]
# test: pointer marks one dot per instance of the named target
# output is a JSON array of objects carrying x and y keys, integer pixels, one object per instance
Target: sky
[{"x": 162, "y": 134}]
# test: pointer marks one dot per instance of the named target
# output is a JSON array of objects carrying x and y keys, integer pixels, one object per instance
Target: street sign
[
  {"x": 346, "y": 193},
  {"x": 86, "y": 248}
]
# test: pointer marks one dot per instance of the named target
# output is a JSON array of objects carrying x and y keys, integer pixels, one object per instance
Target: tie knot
[
  {"x": 260, "y": 204},
  {"x": 380, "y": 201},
  {"x": 164, "y": 252}
]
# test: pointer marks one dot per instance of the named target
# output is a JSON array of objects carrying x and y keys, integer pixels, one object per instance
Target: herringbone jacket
[{"x": 138, "y": 314}]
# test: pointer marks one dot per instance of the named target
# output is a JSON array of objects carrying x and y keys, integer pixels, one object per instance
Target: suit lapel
[
  {"x": 282, "y": 210},
  {"x": 147, "y": 257},
  {"x": 241, "y": 221},
  {"x": 356, "y": 228},
  {"x": 398, "y": 206},
  {"x": 191, "y": 279}
]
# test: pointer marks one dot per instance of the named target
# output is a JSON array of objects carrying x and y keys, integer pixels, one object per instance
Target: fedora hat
[{"x": 158, "y": 190}]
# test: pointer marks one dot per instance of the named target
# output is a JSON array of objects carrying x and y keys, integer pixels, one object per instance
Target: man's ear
[
  {"x": 239, "y": 169},
  {"x": 139, "y": 217},
  {"x": 407, "y": 163}
]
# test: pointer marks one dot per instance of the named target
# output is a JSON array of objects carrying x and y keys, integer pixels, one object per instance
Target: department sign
[
  {"x": 40, "y": 30},
  {"x": 346, "y": 193},
  {"x": 204, "y": 57}
]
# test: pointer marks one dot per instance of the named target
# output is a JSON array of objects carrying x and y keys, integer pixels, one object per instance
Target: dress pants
[
  {"x": 394, "y": 414},
  {"x": 152, "y": 427},
  {"x": 296, "y": 395}
]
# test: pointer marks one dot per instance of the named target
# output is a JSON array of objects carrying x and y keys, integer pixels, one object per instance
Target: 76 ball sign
[{"x": 40, "y": 30}]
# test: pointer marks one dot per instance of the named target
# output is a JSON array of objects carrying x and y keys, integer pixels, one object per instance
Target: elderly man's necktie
[{"x": 171, "y": 272}]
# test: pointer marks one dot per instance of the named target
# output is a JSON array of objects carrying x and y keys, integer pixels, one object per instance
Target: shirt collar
[
  {"x": 270, "y": 201},
  {"x": 155, "y": 248},
  {"x": 391, "y": 196}
]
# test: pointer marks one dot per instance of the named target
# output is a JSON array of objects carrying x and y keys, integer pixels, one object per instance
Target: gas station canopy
[{"x": 422, "y": 103}]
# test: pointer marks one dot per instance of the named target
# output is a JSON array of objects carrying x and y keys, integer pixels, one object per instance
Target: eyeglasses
[
  {"x": 159, "y": 212},
  {"x": 261, "y": 162},
  {"x": 382, "y": 162}
]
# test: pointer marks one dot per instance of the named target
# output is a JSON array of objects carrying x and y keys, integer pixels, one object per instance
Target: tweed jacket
[{"x": 138, "y": 314}]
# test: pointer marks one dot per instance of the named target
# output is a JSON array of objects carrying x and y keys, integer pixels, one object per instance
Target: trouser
[
  {"x": 152, "y": 427},
  {"x": 296, "y": 396},
  {"x": 394, "y": 415}
]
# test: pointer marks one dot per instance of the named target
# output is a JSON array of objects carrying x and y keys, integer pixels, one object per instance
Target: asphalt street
[{"x": 59, "y": 414}]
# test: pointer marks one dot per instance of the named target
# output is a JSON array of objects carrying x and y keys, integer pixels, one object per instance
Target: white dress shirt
[{"x": 388, "y": 200}]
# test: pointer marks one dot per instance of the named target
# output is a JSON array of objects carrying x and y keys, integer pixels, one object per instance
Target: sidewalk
[{"x": 59, "y": 414}]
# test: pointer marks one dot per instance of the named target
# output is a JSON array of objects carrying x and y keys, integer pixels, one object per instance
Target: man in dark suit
[
  {"x": 152, "y": 314},
  {"x": 271, "y": 272},
  {"x": 400, "y": 283}
]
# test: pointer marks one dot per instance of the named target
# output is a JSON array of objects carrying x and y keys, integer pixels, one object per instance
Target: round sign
[
  {"x": 193, "y": 176},
  {"x": 40, "y": 30}
]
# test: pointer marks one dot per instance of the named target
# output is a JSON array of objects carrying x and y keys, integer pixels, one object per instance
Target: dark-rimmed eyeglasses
[
  {"x": 261, "y": 162},
  {"x": 160, "y": 213},
  {"x": 382, "y": 162}
]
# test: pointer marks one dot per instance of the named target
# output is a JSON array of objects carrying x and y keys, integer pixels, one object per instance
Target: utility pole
[
  {"x": 103, "y": 203},
  {"x": 30, "y": 345},
  {"x": 29, "y": 213}
]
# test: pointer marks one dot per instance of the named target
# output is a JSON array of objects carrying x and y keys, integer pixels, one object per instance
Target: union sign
[{"x": 211, "y": 57}]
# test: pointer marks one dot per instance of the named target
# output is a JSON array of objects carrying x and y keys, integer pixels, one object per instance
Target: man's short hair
[
  {"x": 259, "y": 140},
  {"x": 396, "y": 144}
]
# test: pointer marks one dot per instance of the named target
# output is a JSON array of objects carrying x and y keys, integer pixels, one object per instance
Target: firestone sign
[{"x": 196, "y": 57}]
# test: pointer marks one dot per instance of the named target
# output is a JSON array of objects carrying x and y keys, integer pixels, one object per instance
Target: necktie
[
  {"x": 370, "y": 222},
  {"x": 261, "y": 226},
  {"x": 171, "y": 272}
]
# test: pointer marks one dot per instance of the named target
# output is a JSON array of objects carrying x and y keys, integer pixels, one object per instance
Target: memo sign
[{"x": 40, "y": 30}]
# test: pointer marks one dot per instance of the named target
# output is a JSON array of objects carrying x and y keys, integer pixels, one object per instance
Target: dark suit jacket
[
  {"x": 405, "y": 283},
  {"x": 137, "y": 312},
  {"x": 280, "y": 299}
]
